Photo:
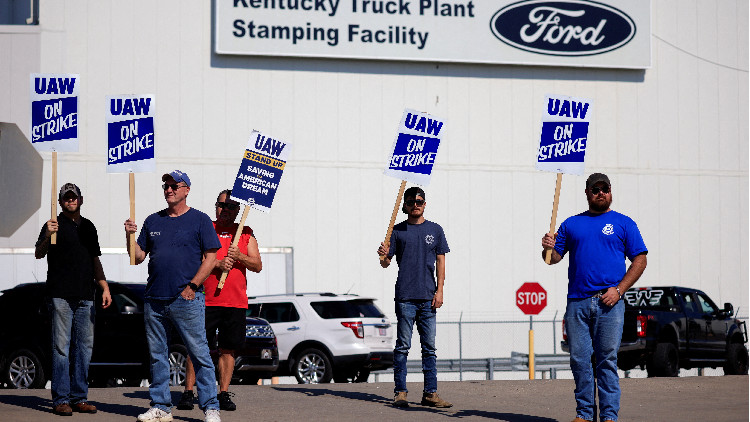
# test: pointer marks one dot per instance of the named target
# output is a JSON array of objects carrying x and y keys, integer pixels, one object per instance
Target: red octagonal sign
[{"x": 531, "y": 298}]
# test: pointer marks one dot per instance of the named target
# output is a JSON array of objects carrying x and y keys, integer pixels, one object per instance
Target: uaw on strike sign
[
  {"x": 130, "y": 133},
  {"x": 54, "y": 112},
  {"x": 415, "y": 147},
  {"x": 260, "y": 171},
  {"x": 565, "y": 128}
]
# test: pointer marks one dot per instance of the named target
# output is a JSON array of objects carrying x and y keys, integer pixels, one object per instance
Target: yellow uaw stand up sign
[
  {"x": 414, "y": 151},
  {"x": 130, "y": 142},
  {"x": 257, "y": 179},
  {"x": 562, "y": 149},
  {"x": 54, "y": 120}
]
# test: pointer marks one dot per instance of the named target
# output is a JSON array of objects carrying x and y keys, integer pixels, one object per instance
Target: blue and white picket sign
[
  {"x": 130, "y": 133},
  {"x": 54, "y": 111},
  {"x": 415, "y": 147},
  {"x": 564, "y": 138},
  {"x": 260, "y": 171}
]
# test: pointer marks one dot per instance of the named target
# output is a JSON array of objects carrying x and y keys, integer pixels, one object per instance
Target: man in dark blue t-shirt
[
  {"x": 418, "y": 245},
  {"x": 182, "y": 245},
  {"x": 598, "y": 241}
]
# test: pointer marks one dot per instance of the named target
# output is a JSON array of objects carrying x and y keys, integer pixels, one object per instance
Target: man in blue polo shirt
[
  {"x": 598, "y": 241},
  {"x": 418, "y": 245},
  {"x": 182, "y": 245}
]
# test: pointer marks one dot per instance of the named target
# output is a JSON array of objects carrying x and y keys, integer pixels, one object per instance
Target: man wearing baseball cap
[
  {"x": 420, "y": 247},
  {"x": 182, "y": 244},
  {"x": 598, "y": 241},
  {"x": 73, "y": 271}
]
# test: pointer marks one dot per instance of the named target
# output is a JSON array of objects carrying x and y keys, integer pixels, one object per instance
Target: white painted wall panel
[{"x": 673, "y": 138}]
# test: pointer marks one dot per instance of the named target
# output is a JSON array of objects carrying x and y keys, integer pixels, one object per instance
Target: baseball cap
[
  {"x": 69, "y": 187},
  {"x": 178, "y": 177},
  {"x": 596, "y": 178},
  {"x": 414, "y": 191}
]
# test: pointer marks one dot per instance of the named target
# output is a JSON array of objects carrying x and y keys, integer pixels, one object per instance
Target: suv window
[
  {"x": 706, "y": 305},
  {"x": 347, "y": 309},
  {"x": 274, "y": 312}
]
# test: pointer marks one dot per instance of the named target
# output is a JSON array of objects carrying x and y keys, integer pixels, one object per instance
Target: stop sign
[{"x": 531, "y": 298}]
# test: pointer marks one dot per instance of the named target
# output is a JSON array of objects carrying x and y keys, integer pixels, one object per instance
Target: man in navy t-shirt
[
  {"x": 418, "y": 245},
  {"x": 598, "y": 241},
  {"x": 182, "y": 244}
]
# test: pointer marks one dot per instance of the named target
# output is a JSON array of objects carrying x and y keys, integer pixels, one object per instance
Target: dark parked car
[
  {"x": 668, "y": 328},
  {"x": 120, "y": 355}
]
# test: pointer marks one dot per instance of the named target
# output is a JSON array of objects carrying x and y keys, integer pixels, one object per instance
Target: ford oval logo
[{"x": 563, "y": 28}]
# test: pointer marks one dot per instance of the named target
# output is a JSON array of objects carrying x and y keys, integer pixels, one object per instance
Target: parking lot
[{"x": 654, "y": 399}]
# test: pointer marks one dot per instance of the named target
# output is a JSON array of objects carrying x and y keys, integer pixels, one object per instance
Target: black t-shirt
[{"x": 70, "y": 262}]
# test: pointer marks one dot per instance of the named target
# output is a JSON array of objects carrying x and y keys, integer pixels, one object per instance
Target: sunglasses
[
  {"x": 595, "y": 190},
  {"x": 411, "y": 202},
  {"x": 173, "y": 186},
  {"x": 228, "y": 206}
]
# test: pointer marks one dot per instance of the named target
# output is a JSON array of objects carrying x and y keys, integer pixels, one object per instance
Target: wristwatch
[{"x": 193, "y": 286}]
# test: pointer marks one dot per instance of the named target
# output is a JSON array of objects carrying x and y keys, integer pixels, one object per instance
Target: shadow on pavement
[
  {"x": 29, "y": 402},
  {"x": 415, "y": 407}
]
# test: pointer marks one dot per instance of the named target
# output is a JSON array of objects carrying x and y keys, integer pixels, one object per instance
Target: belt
[{"x": 600, "y": 293}]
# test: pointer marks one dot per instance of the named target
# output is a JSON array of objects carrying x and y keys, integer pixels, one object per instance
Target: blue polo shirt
[
  {"x": 416, "y": 247},
  {"x": 598, "y": 245},
  {"x": 175, "y": 246}
]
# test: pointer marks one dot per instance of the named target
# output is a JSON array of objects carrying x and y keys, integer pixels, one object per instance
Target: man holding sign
[
  {"x": 597, "y": 240},
  {"x": 418, "y": 245},
  {"x": 182, "y": 246},
  {"x": 226, "y": 307},
  {"x": 73, "y": 270}
]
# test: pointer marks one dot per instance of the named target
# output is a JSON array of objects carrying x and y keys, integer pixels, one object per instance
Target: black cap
[
  {"x": 69, "y": 187},
  {"x": 596, "y": 178},
  {"x": 414, "y": 191}
]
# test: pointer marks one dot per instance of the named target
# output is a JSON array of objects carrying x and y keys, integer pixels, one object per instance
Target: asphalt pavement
[{"x": 715, "y": 399}]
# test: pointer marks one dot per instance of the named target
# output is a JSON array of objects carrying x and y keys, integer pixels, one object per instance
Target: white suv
[{"x": 324, "y": 336}]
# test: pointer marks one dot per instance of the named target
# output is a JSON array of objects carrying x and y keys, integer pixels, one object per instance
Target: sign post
[
  {"x": 130, "y": 142},
  {"x": 414, "y": 151},
  {"x": 258, "y": 178},
  {"x": 531, "y": 298},
  {"x": 54, "y": 120},
  {"x": 562, "y": 148}
]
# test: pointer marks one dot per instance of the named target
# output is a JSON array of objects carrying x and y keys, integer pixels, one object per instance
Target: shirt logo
[
  {"x": 429, "y": 239},
  {"x": 154, "y": 233},
  {"x": 225, "y": 235},
  {"x": 608, "y": 229}
]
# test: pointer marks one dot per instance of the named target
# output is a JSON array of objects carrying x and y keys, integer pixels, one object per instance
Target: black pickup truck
[{"x": 668, "y": 328}]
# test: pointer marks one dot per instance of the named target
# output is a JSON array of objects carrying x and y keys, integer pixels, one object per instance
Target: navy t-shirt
[
  {"x": 175, "y": 246},
  {"x": 598, "y": 245},
  {"x": 416, "y": 247}
]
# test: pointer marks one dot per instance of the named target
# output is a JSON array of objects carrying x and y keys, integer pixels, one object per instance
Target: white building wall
[{"x": 673, "y": 139}]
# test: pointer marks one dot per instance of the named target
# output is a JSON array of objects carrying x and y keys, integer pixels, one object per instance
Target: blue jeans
[
  {"x": 188, "y": 317},
  {"x": 407, "y": 312},
  {"x": 72, "y": 324},
  {"x": 595, "y": 328}
]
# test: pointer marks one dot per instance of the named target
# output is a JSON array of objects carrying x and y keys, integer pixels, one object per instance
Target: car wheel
[
  {"x": 312, "y": 366},
  {"x": 24, "y": 370},
  {"x": 665, "y": 362},
  {"x": 178, "y": 355},
  {"x": 736, "y": 360}
]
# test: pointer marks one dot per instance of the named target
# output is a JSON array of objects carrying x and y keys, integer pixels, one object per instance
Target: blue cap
[{"x": 178, "y": 177}]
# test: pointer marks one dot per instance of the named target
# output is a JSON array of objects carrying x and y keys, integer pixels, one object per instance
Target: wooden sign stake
[
  {"x": 387, "y": 241},
  {"x": 53, "y": 239},
  {"x": 131, "y": 236},
  {"x": 548, "y": 252},
  {"x": 235, "y": 241}
]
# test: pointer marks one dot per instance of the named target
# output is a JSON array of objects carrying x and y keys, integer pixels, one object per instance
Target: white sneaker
[
  {"x": 155, "y": 415},
  {"x": 213, "y": 415}
]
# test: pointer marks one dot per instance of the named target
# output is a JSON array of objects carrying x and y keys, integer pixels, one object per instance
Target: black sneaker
[
  {"x": 186, "y": 400},
  {"x": 225, "y": 401}
]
